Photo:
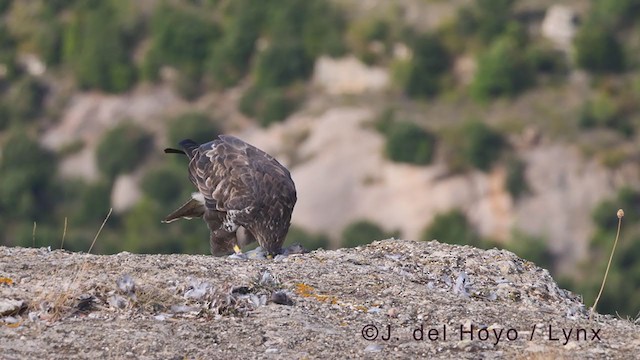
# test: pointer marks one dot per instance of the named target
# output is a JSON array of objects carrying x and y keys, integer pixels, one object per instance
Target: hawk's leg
[
  {"x": 223, "y": 233},
  {"x": 222, "y": 242}
]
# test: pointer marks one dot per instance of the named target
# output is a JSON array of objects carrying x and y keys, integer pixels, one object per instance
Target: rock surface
[{"x": 317, "y": 305}]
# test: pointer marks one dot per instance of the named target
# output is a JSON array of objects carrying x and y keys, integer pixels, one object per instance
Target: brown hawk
[{"x": 244, "y": 194}]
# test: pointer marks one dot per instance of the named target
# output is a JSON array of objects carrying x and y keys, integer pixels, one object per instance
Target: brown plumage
[{"x": 244, "y": 194}]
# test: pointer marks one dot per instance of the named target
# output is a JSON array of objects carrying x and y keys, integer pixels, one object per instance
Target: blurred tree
[
  {"x": 122, "y": 148},
  {"x": 453, "y": 228},
  {"x": 485, "y": 19},
  {"x": 502, "y": 70},
  {"x": 192, "y": 125},
  {"x": 315, "y": 24},
  {"x": 429, "y": 63},
  {"x": 230, "y": 56},
  {"x": 363, "y": 232},
  {"x": 167, "y": 185},
  {"x": 183, "y": 38},
  {"x": 25, "y": 99},
  {"x": 516, "y": 181},
  {"x": 605, "y": 111},
  {"x": 26, "y": 182},
  {"x": 5, "y": 5},
  {"x": 308, "y": 240},
  {"x": 532, "y": 248},
  {"x": 613, "y": 15},
  {"x": 268, "y": 105},
  {"x": 474, "y": 145},
  {"x": 598, "y": 50},
  {"x": 282, "y": 63},
  {"x": 409, "y": 143},
  {"x": 97, "y": 49}
]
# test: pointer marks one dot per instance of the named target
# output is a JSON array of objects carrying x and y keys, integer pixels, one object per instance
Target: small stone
[
  {"x": 11, "y": 307},
  {"x": 281, "y": 298},
  {"x": 373, "y": 348},
  {"x": 393, "y": 312}
]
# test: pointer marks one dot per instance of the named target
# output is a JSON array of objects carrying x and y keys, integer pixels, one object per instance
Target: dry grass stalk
[
  {"x": 60, "y": 303},
  {"x": 620, "y": 215},
  {"x": 64, "y": 233},
  {"x": 100, "y": 230},
  {"x": 33, "y": 235}
]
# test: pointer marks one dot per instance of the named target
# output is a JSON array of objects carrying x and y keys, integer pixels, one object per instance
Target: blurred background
[{"x": 490, "y": 123}]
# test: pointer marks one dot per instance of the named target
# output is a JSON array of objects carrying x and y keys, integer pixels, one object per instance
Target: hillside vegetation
[{"x": 436, "y": 109}]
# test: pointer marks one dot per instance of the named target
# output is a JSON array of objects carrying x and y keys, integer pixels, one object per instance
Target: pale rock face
[
  {"x": 560, "y": 26},
  {"x": 32, "y": 64},
  {"x": 348, "y": 76},
  {"x": 565, "y": 188},
  {"x": 342, "y": 176},
  {"x": 125, "y": 193},
  {"x": 89, "y": 115}
]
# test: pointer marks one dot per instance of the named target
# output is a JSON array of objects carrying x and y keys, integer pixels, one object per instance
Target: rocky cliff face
[
  {"x": 402, "y": 299},
  {"x": 341, "y": 174}
]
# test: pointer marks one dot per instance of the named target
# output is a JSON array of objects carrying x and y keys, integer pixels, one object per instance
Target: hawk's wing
[{"x": 233, "y": 175}]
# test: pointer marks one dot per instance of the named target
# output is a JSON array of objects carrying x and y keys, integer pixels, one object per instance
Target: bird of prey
[{"x": 244, "y": 194}]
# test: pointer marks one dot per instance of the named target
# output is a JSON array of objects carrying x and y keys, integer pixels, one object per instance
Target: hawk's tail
[
  {"x": 193, "y": 208},
  {"x": 188, "y": 148}
]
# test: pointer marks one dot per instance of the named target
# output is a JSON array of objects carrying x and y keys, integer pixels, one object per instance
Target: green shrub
[
  {"x": 182, "y": 38},
  {"x": 5, "y": 117},
  {"x": 615, "y": 15},
  {"x": 268, "y": 106},
  {"x": 603, "y": 111},
  {"x": 385, "y": 121},
  {"x": 502, "y": 71},
  {"x": 546, "y": 60},
  {"x": 230, "y": 56},
  {"x": 27, "y": 173},
  {"x": 5, "y": 5},
  {"x": 97, "y": 48},
  {"x": 532, "y": 248},
  {"x": 308, "y": 240},
  {"x": 485, "y": 19},
  {"x": 248, "y": 103},
  {"x": 361, "y": 34},
  {"x": 429, "y": 63},
  {"x": 598, "y": 50},
  {"x": 604, "y": 214},
  {"x": 25, "y": 99},
  {"x": 195, "y": 126},
  {"x": 475, "y": 145},
  {"x": 93, "y": 205},
  {"x": 282, "y": 63},
  {"x": 122, "y": 149},
  {"x": 363, "y": 232},
  {"x": 407, "y": 142},
  {"x": 516, "y": 181},
  {"x": 317, "y": 24},
  {"x": 453, "y": 228},
  {"x": 167, "y": 185}
]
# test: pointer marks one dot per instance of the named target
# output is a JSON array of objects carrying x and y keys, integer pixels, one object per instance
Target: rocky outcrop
[
  {"x": 560, "y": 25},
  {"x": 402, "y": 299},
  {"x": 89, "y": 115},
  {"x": 125, "y": 193},
  {"x": 348, "y": 76},
  {"x": 342, "y": 176}
]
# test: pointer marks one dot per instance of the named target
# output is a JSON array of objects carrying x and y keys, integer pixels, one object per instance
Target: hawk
[{"x": 244, "y": 194}]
